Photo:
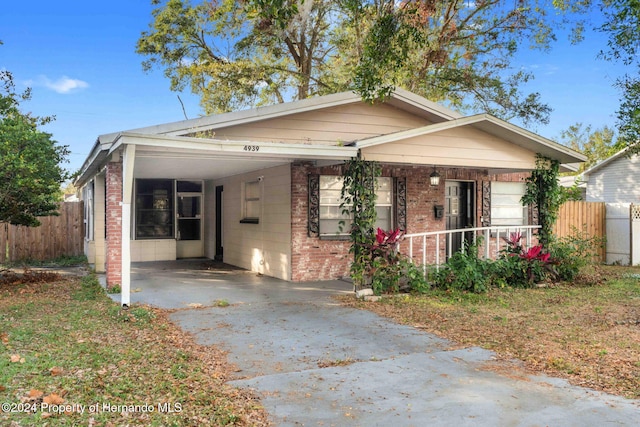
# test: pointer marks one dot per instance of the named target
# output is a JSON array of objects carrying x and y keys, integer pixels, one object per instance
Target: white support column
[{"x": 129, "y": 154}]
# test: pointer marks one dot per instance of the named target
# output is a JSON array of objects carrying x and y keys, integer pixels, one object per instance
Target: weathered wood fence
[
  {"x": 584, "y": 217},
  {"x": 57, "y": 236}
]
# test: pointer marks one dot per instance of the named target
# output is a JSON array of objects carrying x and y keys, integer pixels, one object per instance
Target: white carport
[{"x": 179, "y": 157}]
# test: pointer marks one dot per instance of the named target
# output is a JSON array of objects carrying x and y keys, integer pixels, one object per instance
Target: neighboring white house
[{"x": 615, "y": 182}]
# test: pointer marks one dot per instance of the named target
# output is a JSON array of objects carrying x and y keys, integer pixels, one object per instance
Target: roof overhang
[
  {"x": 199, "y": 149},
  {"x": 492, "y": 126},
  {"x": 400, "y": 98}
]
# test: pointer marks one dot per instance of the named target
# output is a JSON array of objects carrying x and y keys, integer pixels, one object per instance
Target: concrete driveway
[{"x": 315, "y": 363}]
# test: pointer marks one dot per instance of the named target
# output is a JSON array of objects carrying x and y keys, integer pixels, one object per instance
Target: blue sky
[{"x": 79, "y": 59}]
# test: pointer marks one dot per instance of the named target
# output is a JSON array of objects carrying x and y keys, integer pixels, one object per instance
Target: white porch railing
[{"x": 490, "y": 234}]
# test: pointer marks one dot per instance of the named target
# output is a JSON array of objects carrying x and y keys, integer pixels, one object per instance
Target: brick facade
[
  {"x": 313, "y": 258},
  {"x": 113, "y": 262}
]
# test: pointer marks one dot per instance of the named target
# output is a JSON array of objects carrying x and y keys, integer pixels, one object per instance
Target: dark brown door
[
  {"x": 219, "y": 222},
  {"x": 458, "y": 211}
]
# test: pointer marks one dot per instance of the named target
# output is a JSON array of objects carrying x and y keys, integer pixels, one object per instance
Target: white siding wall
[
  {"x": 153, "y": 250},
  {"x": 464, "y": 146},
  {"x": 328, "y": 126},
  {"x": 616, "y": 182},
  {"x": 264, "y": 247},
  {"x": 95, "y": 249}
]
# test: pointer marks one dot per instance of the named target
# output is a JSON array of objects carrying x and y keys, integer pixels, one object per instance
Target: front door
[
  {"x": 458, "y": 211},
  {"x": 219, "y": 222},
  {"x": 189, "y": 223}
]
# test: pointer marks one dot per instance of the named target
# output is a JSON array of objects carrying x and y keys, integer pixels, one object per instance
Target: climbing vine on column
[
  {"x": 359, "y": 201},
  {"x": 544, "y": 191}
]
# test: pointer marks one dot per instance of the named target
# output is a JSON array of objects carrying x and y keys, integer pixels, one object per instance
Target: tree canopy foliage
[
  {"x": 622, "y": 25},
  {"x": 30, "y": 161},
  {"x": 597, "y": 145},
  {"x": 237, "y": 54}
]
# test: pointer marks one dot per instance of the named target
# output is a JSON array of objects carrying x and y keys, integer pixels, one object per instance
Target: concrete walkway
[{"x": 315, "y": 363}]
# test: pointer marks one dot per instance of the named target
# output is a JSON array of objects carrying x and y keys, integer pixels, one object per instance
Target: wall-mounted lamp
[{"x": 434, "y": 177}]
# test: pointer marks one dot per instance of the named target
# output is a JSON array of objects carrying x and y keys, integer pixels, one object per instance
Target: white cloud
[
  {"x": 542, "y": 69},
  {"x": 62, "y": 85}
]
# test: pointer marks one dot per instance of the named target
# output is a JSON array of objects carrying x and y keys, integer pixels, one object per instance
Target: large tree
[
  {"x": 623, "y": 29},
  {"x": 235, "y": 54},
  {"x": 30, "y": 161},
  {"x": 596, "y": 144}
]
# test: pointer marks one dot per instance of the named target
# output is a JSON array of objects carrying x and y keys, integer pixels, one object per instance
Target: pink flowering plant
[
  {"x": 524, "y": 267},
  {"x": 388, "y": 270}
]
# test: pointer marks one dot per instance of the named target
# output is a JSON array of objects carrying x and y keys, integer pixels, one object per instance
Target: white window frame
[
  {"x": 505, "y": 197},
  {"x": 251, "y": 194},
  {"x": 330, "y": 201}
]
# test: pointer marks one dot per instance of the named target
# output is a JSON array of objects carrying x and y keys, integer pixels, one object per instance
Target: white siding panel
[
  {"x": 330, "y": 126},
  {"x": 616, "y": 182},
  {"x": 264, "y": 247},
  {"x": 618, "y": 233},
  {"x": 454, "y": 147}
]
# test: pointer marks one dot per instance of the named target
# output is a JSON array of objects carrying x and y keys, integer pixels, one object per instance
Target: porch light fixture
[{"x": 434, "y": 177}]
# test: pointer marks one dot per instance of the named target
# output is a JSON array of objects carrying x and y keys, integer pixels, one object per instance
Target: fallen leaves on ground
[
  {"x": 588, "y": 334},
  {"x": 99, "y": 357}
]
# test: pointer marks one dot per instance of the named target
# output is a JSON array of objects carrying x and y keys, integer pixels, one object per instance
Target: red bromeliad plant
[
  {"x": 386, "y": 245},
  {"x": 527, "y": 266},
  {"x": 535, "y": 253}
]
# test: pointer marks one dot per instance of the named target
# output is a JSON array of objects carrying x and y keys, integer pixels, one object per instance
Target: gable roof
[
  {"x": 493, "y": 126},
  {"x": 400, "y": 98},
  {"x": 606, "y": 161}
]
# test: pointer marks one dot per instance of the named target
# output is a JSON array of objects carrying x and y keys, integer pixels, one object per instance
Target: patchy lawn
[
  {"x": 587, "y": 331},
  {"x": 70, "y": 356}
]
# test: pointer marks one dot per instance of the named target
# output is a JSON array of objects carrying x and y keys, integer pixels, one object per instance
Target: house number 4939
[{"x": 251, "y": 148}]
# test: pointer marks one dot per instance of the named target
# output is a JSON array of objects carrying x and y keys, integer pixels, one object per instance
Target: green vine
[
  {"x": 359, "y": 201},
  {"x": 544, "y": 191}
]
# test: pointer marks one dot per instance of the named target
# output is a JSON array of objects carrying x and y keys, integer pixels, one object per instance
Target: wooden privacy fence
[
  {"x": 588, "y": 218},
  {"x": 57, "y": 236}
]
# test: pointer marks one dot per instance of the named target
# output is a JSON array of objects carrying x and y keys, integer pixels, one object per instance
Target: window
[
  {"x": 87, "y": 196},
  {"x": 331, "y": 214},
  {"x": 506, "y": 208},
  {"x": 251, "y": 208},
  {"x": 154, "y": 209}
]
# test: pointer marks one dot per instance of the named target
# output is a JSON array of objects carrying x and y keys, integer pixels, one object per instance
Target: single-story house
[{"x": 260, "y": 188}]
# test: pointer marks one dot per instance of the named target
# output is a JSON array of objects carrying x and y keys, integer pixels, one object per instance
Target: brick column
[{"x": 114, "y": 222}]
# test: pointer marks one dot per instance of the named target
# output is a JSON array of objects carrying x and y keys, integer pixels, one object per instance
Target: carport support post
[{"x": 128, "y": 157}]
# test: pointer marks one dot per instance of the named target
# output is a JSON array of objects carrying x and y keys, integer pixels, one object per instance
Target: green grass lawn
[{"x": 70, "y": 356}]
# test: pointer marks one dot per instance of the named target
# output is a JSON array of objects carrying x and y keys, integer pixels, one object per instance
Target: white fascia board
[
  {"x": 572, "y": 156},
  {"x": 497, "y": 125},
  {"x": 424, "y": 104},
  {"x": 246, "y": 149},
  {"x": 92, "y": 163},
  {"x": 237, "y": 118},
  {"x": 605, "y": 162}
]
